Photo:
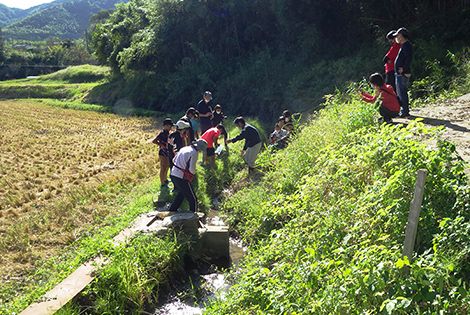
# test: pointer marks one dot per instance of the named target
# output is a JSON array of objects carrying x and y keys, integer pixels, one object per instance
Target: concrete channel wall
[{"x": 213, "y": 242}]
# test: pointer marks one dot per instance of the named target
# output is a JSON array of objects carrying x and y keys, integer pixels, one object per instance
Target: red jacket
[
  {"x": 388, "y": 99},
  {"x": 392, "y": 55}
]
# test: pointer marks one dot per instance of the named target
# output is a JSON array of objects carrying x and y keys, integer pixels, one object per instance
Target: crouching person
[
  {"x": 252, "y": 142},
  {"x": 182, "y": 174}
]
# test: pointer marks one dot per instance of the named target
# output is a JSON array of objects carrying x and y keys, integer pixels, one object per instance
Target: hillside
[
  {"x": 65, "y": 19},
  {"x": 261, "y": 56},
  {"x": 9, "y": 15}
]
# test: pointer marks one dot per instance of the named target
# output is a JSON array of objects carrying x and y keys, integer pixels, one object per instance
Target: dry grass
[{"x": 51, "y": 160}]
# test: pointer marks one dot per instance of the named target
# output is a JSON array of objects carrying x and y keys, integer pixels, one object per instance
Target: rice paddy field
[{"x": 58, "y": 170}]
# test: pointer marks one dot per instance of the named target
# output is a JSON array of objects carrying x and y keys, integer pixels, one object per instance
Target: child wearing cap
[
  {"x": 176, "y": 139},
  {"x": 162, "y": 141},
  {"x": 182, "y": 172}
]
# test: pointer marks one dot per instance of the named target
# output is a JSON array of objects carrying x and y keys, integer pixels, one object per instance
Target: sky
[{"x": 23, "y": 4}]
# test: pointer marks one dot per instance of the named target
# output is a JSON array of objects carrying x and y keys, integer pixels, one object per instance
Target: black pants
[
  {"x": 390, "y": 79},
  {"x": 387, "y": 114},
  {"x": 185, "y": 190}
]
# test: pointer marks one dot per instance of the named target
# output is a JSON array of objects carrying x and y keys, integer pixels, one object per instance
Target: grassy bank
[
  {"x": 325, "y": 224},
  {"x": 73, "y": 176}
]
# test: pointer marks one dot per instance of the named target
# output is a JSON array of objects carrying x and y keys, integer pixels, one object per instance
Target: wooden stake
[{"x": 413, "y": 217}]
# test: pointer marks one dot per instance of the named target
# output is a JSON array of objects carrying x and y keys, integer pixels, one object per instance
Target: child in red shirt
[
  {"x": 211, "y": 136},
  {"x": 389, "y": 105}
]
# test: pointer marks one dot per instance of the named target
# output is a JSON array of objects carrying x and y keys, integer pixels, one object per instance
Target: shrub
[{"x": 326, "y": 221}]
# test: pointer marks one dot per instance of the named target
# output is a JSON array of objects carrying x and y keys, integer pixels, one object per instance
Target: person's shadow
[{"x": 436, "y": 122}]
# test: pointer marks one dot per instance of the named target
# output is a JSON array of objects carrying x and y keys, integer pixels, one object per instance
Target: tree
[{"x": 2, "y": 47}]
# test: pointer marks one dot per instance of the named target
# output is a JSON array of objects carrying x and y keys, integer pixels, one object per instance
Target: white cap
[{"x": 182, "y": 125}]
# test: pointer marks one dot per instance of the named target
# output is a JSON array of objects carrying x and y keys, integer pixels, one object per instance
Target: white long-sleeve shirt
[{"x": 185, "y": 159}]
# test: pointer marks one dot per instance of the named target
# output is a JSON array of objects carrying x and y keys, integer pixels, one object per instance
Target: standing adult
[
  {"x": 403, "y": 69},
  {"x": 182, "y": 172},
  {"x": 252, "y": 141},
  {"x": 389, "y": 59},
  {"x": 205, "y": 112},
  {"x": 190, "y": 114}
]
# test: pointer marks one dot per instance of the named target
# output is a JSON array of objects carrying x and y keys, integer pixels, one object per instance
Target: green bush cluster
[
  {"x": 326, "y": 223},
  {"x": 265, "y": 56}
]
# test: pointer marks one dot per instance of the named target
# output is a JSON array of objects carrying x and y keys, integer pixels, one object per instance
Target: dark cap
[
  {"x": 391, "y": 34},
  {"x": 239, "y": 119},
  {"x": 402, "y": 31},
  {"x": 168, "y": 121},
  {"x": 208, "y": 95}
]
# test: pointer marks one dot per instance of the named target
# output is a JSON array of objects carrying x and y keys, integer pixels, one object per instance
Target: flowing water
[{"x": 194, "y": 295}]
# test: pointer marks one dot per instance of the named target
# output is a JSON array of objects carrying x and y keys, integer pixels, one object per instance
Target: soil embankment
[{"x": 454, "y": 115}]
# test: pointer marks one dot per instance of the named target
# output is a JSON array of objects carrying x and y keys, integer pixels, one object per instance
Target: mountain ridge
[
  {"x": 9, "y": 15},
  {"x": 66, "y": 19}
]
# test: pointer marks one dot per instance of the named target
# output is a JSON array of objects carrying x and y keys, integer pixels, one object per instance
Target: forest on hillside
[
  {"x": 263, "y": 56},
  {"x": 65, "y": 19}
]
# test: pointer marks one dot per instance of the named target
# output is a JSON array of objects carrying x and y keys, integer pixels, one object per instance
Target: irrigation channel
[{"x": 205, "y": 282}]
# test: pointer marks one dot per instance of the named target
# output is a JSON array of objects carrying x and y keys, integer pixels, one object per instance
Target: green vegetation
[
  {"x": 70, "y": 19},
  {"x": 325, "y": 224},
  {"x": 77, "y": 74},
  {"x": 28, "y": 58},
  {"x": 324, "y": 219},
  {"x": 71, "y": 84},
  {"x": 133, "y": 278},
  {"x": 265, "y": 56}
]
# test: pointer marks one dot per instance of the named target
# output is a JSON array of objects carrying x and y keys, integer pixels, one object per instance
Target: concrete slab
[
  {"x": 214, "y": 243},
  {"x": 64, "y": 291}
]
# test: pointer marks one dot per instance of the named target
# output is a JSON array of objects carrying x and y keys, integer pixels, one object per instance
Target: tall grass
[
  {"x": 130, "y": 283},
  {"x": 326, "y": 222}
]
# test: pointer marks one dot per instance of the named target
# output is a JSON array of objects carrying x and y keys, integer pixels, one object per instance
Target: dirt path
[{"x": 454, "y": 114}]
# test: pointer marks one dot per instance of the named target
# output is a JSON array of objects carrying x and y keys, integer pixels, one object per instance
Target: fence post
[{"x": 413, "y": 217}]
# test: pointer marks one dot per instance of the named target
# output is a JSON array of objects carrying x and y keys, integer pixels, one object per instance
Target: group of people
[
  {"x": 282, "y": 130},
  {"x": 181, "y": 143},
  {"x": 393, "y": 90}
]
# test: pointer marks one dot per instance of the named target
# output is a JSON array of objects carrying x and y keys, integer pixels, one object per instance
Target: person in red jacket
[
  {"x": 389, "y": 105},
  {"x": 389, "y": 59}
]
